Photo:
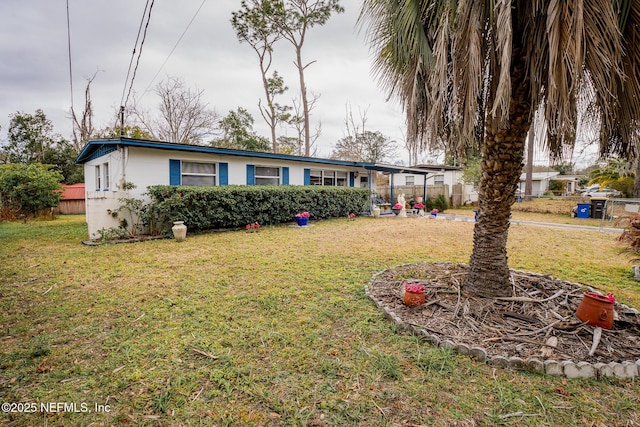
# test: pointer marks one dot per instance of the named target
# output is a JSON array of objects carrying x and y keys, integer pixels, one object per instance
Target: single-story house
[
  {"x": 570, "y": 183},
  {"x": 540, "y": 183},
  {"x": 72, "y": 200},
  {"x": 109, "y": 163}
]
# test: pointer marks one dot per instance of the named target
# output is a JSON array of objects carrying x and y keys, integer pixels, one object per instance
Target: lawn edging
[{"x": 565, "y": 368}]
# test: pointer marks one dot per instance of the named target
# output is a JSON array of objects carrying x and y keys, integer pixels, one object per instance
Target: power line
[
  {"x": 133, "y": 54},
  {"x": 172, "y": 50},
  {"x": 144, "y": 36}
]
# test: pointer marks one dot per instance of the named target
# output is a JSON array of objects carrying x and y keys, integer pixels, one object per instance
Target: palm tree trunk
[{"x": 501, "y": 166}]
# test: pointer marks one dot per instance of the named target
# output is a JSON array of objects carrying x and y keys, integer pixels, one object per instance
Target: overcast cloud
[{"x": 34, "y": 67}]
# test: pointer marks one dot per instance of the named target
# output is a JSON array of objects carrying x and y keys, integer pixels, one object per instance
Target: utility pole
[{"x": 528, "y": 183}]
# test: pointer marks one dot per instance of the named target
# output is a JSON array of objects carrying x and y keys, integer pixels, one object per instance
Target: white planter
[
  {"x": 376, "y": 212},
  {"x": 179, "y": 231}
]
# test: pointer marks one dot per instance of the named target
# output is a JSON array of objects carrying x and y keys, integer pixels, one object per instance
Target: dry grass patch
[{"x": 272, "y": 328}]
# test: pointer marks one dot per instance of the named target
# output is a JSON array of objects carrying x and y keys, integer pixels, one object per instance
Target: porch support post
[
  {"x": 424, "y": 198},
  {"x": 391, "y": 190}
]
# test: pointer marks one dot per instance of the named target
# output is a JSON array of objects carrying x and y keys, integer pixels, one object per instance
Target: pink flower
[
  {"x": 303, "y": 215},
  {"x": 418, "y": 206},
  {"x": 609, "y": 297},
  {"x": 414, "y": 287},
  {"x": 398, "y": 206}
]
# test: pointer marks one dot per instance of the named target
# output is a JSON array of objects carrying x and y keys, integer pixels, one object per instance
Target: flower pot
[
  {"x": 596, "y": 310},
  {"x": 302, "y": 221},
  {"x": 413, "y": 299},
  {"x": 179, "y": 231},
  {"x": 396, "y": 211},
  {"x": 376, "y": 212}
]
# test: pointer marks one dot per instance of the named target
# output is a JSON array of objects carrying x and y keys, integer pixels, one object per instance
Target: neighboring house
[
  {"x": 439, "y": 179},
  {"x": 570, "y": 183},
  {"x": 540, "y": 183},
  {"x": 72, "y": 200},
  {"x": 108, "y": 163}
]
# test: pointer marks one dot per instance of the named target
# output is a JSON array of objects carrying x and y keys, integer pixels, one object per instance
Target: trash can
[
  {"x": 597, "y": 207},
  {"x": 583, "y": 210}
]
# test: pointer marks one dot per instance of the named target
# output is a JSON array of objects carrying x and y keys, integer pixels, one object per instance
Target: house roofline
[{"x": 94, "y": 145}]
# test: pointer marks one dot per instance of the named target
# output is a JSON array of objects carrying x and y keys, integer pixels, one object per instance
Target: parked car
[{"x": 596, "y": 191}]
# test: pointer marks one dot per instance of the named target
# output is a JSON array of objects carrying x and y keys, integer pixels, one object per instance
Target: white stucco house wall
[
  {"x": 539, "y": 181},
  {"x": 108, "y": 163}
]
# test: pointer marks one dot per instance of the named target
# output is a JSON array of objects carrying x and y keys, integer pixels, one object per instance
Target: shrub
[
  {"x": 29, "y": 189},
  {"x": 630, "y": 237},
  {"x": 205, "y": 208},
  {"x": 439, "y": 203}
]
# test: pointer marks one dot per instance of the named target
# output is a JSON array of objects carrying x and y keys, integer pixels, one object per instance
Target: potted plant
[
  {"x": 596, "y": 309},
  {"x": 413, "y": 294},
  {"x": 434, "y": 213},
  {"x": 302, "y": 218},
  {"x": 397, "y": 208},
  {"x": 420, "y": 208}
]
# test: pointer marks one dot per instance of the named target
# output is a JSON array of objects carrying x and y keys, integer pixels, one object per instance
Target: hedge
[{"x": 208, "y": 208}]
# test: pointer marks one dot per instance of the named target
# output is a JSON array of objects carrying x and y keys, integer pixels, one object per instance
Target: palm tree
[{"x": 473, "y": 72}]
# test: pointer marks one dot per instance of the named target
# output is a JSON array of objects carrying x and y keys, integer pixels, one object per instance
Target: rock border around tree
[{"x": 628, "y": 369}]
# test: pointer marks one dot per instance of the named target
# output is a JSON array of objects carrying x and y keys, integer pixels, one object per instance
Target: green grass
[{"x": 273, "y": 328}]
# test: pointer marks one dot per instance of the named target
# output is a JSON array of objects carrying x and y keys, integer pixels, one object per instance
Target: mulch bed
[{"x": 537, "y": 322}]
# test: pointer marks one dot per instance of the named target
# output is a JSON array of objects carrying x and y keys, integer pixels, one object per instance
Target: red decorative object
[
  {"x": 596, "y": 310},
  {"x": 413, "y": 299},
  {"x": 413, "y": 294}
]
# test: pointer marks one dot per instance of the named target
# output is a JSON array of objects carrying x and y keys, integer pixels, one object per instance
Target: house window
[
  {"x": 98, "y": 178},
  {"x": 328, "y": 178},
  {"x": 438, "y": 180},
  {"x": 105, "y": 176},
  {"x": 364, "y": 182},
  {"x": 200, "y": 174},
  {"x": 410, "y": 180},
  {"x": 316, "y": 177},
  {"x": 267, "y": 175}
]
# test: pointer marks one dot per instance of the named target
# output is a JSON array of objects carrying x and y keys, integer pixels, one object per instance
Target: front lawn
[{"x": 272, "y": 328}]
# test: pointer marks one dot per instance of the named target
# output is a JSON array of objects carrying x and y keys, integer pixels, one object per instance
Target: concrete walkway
[{"x": 465, "y": 218}]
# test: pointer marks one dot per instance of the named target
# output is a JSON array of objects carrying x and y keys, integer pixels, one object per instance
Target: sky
[
  {"x": 35, "y": 71},
  {"x": 34, "y": 63}
]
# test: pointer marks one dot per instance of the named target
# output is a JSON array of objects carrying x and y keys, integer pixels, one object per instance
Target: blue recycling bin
[{"x": 583, "y": 210}]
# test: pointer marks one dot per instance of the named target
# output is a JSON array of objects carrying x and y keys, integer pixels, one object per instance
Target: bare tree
[
  {"x": 362, "y": 145},
  {"x": 184, "y": 116},
  {"x": 297, "y": 145},
  {"x": 83, "y": 127}
]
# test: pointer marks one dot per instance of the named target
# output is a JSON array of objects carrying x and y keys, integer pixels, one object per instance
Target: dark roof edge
[{"x": 93, "y": 145}]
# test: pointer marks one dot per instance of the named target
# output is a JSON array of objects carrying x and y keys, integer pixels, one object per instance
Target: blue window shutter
[
  {"x": 175, "y": 174},
  {"x": 352, "y": 179},
  {"x": 223, "y": 173},
  {"x": 251, "y": 175},
  {"x": 307, "y": 177},
  {"x": 285, "y": 175}
]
